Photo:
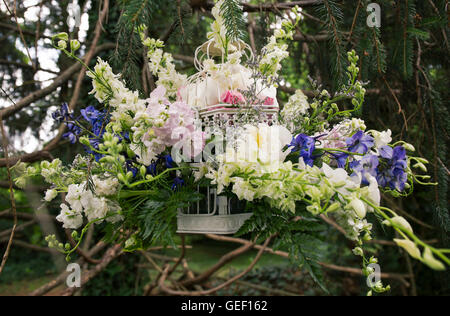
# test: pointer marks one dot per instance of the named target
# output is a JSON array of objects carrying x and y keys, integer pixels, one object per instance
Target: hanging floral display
[{"x": 219, "y": 139}]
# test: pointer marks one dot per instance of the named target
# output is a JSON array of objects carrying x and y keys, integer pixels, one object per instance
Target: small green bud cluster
[
  {"x": 55, "y": 244},
  {"x": 63, "y": 42}
]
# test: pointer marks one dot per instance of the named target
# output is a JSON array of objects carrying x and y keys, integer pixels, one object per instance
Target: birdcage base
[{"x": 207, "y": 224}]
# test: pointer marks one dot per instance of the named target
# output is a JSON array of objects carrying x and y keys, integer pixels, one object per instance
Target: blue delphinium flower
[
  {"x": 341, "y": 159},
  {"x": 366, "y": 166},
  {"x": 98, "y": 121},
  {"x": 63, "y": 114},
  {"x": 130, "y": 167},
  {"x": 305, "y": 145},
  {"x": 166, "y": 160},
  {"x": 392, "y": 169},
  {"x": 73, "y": 132},
  {"x": 91, "y": 115},
  {"x": 360, "y": 143},
  {"x": 177, "y": 183}
]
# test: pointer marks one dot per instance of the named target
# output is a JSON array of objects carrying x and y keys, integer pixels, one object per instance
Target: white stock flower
[
  {"x": 73, "y": 197},
  {"x": 97, "y": 209},
  {"x": 106, "y": 187},
  {"x": 71, "y": 219}
]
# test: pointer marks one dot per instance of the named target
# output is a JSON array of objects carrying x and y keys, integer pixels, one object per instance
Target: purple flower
[
  {"x": 91, "y": 115},
  {"x": 360, "y": 143},
  {"x": 177, "y": 183},
  {"x": 392, "y": 168},
  {"x": 130, "y": 167},
  {"x": 63, "y": 114},
  {"x": 386, "y": 152},
  {"x": 366, "y": 166},
  {"x": 341, "y": 159},
  {"x": 305, "y": 145},
  {"x": 73, "y": 132}
]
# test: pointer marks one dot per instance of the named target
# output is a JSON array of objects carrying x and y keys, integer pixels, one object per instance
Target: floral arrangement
[{"x": 314, "y": 160}]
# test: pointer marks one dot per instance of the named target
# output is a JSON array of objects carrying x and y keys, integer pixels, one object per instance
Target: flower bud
[
  {"x": 62, "y": 36},
  {"x": 358, "y": 251},
  {"x": 399, "y": 221},
  {"x": 358, "y": 206},
  {"x": 62, "y": 44},
  {"x": 410, "y": 247},
  {"x": 74, "y": 45},
  {"x": 430, "y": 261}
]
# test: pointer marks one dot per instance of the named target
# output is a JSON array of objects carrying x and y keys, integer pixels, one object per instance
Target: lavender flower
[
  {"x": 360, "y": 143},
  {"x": 366, "y": 166},
  {"x": 63, "y": 114},
  {"x": 73, "y": 133},
  {"x": 392, "y": 169},
  {"x": 305, "y": 145}
]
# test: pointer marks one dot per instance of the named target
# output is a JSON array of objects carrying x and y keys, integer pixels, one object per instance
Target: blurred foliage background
[{"x": 404, "y": 63}]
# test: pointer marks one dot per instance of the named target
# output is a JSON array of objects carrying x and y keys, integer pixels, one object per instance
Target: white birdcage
[{"x": 220, "y": 214}]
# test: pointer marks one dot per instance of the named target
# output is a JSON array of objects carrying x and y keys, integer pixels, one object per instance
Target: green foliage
[
  {"x": 232, "y": 13},
  {"x": 156, "y": 217},
  {"x": 331, "y": 13},
  {"x": 128, "y": 56}
]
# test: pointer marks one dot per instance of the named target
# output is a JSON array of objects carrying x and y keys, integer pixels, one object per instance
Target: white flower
[
  {"x": 243, "y": 190},
  {"x": 71, "y": 219},
  {"x": 50, "y": 195},
  {"x": 382, "y": 138},
  {"x": 73, "y": 197},
  {"x": 106, "y": 187},
  {"x": 337, "y": 177},
  {"x": 372, "y": 192},
  {"x": 262, "y": 144},
  {"x": 97, "y": 209}
]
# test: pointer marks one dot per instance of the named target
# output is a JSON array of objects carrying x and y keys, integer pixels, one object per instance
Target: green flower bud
[
  {"x": 62, "y": 36},
  {"x": 333, "y": 207},
  {"x": 410, "y": 247},
  {"x": 62, "y": 44},
  {"x": 358, "y": 251},
  {"x": 430, "y": 261},
  {"x": 74, "y": 45},
  {"x": 121, "y": 178},
  {"x": 399, "y": 221},
  {"x": 143, "y": 171}
]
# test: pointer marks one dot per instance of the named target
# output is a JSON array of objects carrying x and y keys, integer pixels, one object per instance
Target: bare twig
[
  {"x": 19, "y": 28},
  {"x": 11, "y": 194},
  {"x": 164, "y": 288}
]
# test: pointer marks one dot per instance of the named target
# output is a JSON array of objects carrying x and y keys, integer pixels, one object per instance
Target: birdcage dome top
[{"x": 225, "y": 77}]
